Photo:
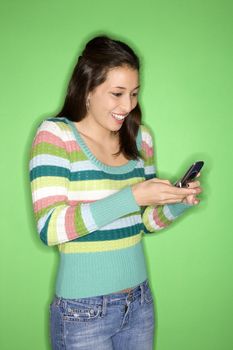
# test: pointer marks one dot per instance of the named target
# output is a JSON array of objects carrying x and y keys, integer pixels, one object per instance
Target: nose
[{"x": 127, "y": 104}]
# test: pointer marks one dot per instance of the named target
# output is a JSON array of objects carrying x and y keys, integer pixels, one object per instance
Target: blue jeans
[{"x": 120, "y": 321}]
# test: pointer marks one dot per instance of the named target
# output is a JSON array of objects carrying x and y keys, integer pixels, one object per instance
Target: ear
[
  {"x": 88, "y": 97},
  {"x": 88, "y": 101}
]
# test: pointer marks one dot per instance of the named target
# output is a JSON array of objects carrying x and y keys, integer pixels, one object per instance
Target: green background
[{"x": 187, "y": 54}]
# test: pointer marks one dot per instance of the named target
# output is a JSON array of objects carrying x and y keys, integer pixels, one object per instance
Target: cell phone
[{"x": 190, "y": 174}]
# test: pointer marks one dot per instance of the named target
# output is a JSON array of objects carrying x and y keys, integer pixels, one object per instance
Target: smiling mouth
[{"x": 119, "y": 117}]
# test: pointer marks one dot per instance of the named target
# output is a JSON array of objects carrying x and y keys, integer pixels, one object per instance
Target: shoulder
[
  {"x": 54, "y": 131},
  {"x": 52, "y": 136},
  {"x": 49, "y": 154},
  {"x": 55, "y": 126}
]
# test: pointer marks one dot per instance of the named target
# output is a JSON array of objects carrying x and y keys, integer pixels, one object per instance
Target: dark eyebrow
[{"x": 121, "y": 87}]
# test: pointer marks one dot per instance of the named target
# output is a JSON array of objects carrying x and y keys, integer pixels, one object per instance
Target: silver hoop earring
[{"x": 88, "y": 104}]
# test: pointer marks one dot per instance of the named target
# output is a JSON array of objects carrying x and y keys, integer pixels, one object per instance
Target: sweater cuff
[
  {"x": 177, "y": 209},
  {"x": 113, "y": 207}
]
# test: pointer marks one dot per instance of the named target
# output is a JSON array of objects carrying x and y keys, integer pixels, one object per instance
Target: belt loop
[
  {"x": 105, "y": 300},
  {"x": 130, "y": 294},
  {"x": 142, "y": 293},
  {"x": 58, "y": 300}
]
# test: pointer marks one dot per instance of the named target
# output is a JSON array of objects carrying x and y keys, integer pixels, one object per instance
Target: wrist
[
  {"x": 142, "y": 195},
  {"x": 136, "y": 194}
]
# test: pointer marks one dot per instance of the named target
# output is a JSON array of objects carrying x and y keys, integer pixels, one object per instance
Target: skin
[
  {"x": 109, "y": 98},
  {"x": 119, "y": 94}
]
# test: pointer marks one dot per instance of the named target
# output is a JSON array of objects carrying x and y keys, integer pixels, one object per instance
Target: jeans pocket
[{"x": 81, "y": 312}]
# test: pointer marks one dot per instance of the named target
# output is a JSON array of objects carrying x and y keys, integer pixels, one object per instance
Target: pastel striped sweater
[{"x": 88, "y": 210}]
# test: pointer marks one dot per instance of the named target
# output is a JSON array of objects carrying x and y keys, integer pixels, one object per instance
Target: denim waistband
[{"x": 135, "y": 292}]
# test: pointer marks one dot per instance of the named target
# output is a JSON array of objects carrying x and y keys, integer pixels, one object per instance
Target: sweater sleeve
[
  {"x": 156, "y": 218},
  {"x": 57, "y": 220}
]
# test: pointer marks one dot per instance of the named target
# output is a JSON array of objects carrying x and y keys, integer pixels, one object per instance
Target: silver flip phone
[{"x": 190, "y": 174}]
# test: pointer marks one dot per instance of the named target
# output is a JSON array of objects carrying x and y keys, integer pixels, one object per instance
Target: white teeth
[{"x": 119, "y": 116}]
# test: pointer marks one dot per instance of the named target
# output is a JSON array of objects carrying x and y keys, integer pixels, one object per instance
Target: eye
[{"x": 117, "y": 94}]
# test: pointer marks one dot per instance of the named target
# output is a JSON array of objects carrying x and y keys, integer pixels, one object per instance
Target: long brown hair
[{"x": 101, "y": 54}]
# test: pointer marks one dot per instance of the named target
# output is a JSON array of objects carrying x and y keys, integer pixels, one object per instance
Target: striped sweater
[{"x": 88, "y": 210}]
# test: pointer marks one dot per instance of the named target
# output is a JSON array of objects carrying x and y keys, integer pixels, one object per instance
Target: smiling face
[{"x": 113, "y": 100}]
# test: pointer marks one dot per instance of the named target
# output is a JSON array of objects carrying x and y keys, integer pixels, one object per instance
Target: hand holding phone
[{"x": 190, "y": 174}]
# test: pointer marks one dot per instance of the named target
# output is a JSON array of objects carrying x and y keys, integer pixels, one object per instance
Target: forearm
[
  {"x": 63, "y": 222},
  {"x": 161, "y": 216}
]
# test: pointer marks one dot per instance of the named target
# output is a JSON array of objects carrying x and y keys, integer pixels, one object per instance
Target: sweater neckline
[{"x": 118, "y": 169}]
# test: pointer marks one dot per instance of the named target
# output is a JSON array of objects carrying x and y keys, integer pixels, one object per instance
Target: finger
[
  {"x": 172, "y": 201},
  {"x": 178, "y": 197},
  {"x": 193, "y": 184},
  {"x": 183, "y": 191},
  {"x": 192, "y": 200}
]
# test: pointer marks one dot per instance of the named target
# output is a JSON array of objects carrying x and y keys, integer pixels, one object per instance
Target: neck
[{"x": 96, "y": 131}]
